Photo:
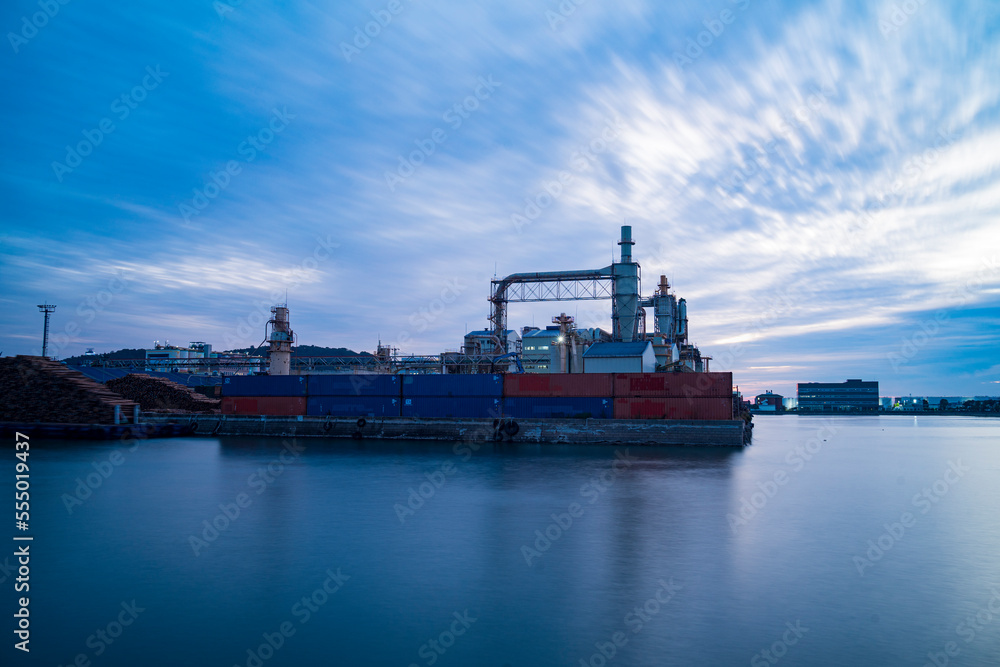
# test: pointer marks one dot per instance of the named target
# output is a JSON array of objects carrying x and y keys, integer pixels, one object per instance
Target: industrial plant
[
  {"x": 639, "y": 381},
  {"x": 630, "y": 345}
]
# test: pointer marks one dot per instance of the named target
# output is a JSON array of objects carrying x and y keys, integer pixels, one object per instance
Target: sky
[{"x": 818, "y": 179}]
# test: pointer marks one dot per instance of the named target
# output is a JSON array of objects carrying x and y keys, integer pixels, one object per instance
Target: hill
[{"x": 298, "y": 351}]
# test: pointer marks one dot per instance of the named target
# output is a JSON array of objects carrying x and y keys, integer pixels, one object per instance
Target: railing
[{"x": 354, "y": 364}]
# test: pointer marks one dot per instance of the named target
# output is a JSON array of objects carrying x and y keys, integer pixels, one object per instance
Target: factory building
[
  {"x": 167, "y": 357},
  {"x": 558, "y": 348},
  {"x": 632, "y": 357},
  {"x": 850, "y": 396},
  {"x": 537, "y": 349},
  {"x": 195, "y": 350},
  {"x": 482, "y": 341}
]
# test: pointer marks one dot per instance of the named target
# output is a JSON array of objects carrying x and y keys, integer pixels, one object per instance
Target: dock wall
[{"x": 704, "y": 433}]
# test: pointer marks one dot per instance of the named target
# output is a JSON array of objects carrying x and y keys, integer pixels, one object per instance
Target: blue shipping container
[
  {"x": 264, "y": 385},
  {"x": 447, "y": 407},
  {"x": 523, "y": 407},
  {"x": 367, "y": 384},
  {"x": 352, "y": 406},
  {"x": 482, "y": 384}
]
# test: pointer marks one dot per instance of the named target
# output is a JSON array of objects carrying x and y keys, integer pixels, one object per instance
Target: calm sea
[{"x": 845, "y": 541}]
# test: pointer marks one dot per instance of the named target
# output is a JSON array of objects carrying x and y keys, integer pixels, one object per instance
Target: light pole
[{"x": 46, "y": 308}]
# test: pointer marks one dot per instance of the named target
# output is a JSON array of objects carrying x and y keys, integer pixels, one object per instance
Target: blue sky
[{"x": 819, "y": 180}]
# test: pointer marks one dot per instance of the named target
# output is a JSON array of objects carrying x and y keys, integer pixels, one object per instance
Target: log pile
[
  {"x": 36, "y": 389},
  {"x": 158, "y": 394}
]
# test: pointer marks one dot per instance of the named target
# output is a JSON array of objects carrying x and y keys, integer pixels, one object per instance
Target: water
[{"x": 793, "y": 579}]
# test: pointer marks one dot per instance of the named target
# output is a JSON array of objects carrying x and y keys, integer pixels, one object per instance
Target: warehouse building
[{"x": 635, "y": 357}]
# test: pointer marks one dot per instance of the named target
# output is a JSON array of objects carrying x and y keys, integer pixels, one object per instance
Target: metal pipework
[
  {"x": 682, "y": 319},
  {"x": 551, "y": 288},
  {"x": 566, "y": 336},
  {"x": 624, "y": 277},
  {"x": 664, "y": 309}
]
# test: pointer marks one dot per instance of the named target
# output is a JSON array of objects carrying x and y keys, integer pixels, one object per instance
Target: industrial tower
[{"x": 280, "y": 340}]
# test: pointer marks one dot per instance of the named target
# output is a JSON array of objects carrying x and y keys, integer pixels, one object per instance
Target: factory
[
  {"x": 632, "y": 345},
  {"x": 646, "y": 334},
  {"x": 641, "y": 369},
  {"x": 563, "y": 348}
]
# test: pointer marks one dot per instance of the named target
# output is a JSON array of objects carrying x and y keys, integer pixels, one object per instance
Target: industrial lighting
[{"x": 559, "y": 339}]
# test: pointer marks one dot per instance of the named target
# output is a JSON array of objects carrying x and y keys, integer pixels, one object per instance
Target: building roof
[
  {"x": 542, "y": 333},
  {"x": 488, "y": 332},
  {"x": 849, "y": 383},
  {"x": 634, "y": 349}
]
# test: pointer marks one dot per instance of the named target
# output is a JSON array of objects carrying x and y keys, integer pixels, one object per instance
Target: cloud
[{"x": 795, "y": 169}]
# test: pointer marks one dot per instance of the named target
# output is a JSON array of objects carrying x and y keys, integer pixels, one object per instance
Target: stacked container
[
  {"x": 705, "y": 396},
  {"x": 362, "y": 395},
  {"x": 555, "y": 395},
  {"x": 673, "y": 395},
  {"x": 451, "y": 396},
  {"x": 278, "y": 395}
]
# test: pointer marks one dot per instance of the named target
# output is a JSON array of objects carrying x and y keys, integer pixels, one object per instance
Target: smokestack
[{"x": 626, "y": 243}]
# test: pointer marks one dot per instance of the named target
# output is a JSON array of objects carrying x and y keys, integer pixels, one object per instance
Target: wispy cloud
[{"x": 803, "y": 154}]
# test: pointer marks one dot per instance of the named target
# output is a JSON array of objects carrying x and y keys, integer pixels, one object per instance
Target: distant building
[
  {"x": 917, "y": 403},
  {"x": 636, "y": 357},
  {"x": 167, "y": 357},
  {"x": 162, "y": 353},
  {"x": 850, "y": 396},
  {"x": 769, "y": 402},
  {"x": 945, "y": 402}
]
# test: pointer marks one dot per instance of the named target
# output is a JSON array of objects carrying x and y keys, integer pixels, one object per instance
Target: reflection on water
[{"x": 304, "y": 552}]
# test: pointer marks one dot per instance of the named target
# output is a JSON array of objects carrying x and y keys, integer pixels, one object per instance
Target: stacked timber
[
  {"x": 36, "y": 389},
  {"x": 158, "y": 394}
]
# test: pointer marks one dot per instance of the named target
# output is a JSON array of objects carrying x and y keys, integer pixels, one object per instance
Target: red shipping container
[
  {"x": 274, "y": 406},
  {"x": 673, "y": 408},
  {"x": 674, "y": 385},
  {"x": 583, "y": 385}
]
